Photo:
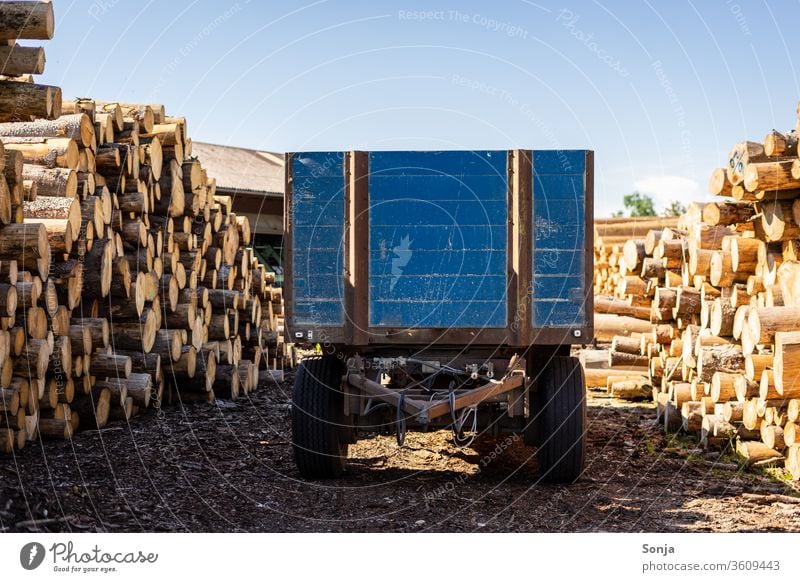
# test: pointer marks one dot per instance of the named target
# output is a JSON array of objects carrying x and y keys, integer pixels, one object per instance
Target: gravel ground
[{"x": 228, "y": 467}]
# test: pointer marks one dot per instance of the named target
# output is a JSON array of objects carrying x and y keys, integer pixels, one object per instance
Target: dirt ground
[{"x": 228, "y": 467}]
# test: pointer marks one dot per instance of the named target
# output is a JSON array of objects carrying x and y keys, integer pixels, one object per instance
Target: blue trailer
[{"x": 444, "y": 289}]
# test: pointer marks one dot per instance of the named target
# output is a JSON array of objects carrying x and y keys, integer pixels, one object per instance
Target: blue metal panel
[
  {"x": 317, "y": 231},
  {"x": 310, "y": 312},
  {"x": 560, "y": 313},
  {"x": 437, "y": 212},
  {"x": 433, "y": 314},
  {"x": 438, "y": 227},
  {"x": 448, "y": 262},
  {"x": 558, "y": 262},
  {"x": 448, "y": 164},
  {"x": 559, "y": 286},
  {"x": 318, "y": 237},
  {"x": 317, "y": 165},
  {"x": 445, "y": 237},
  {"x": 559, "y": 161},
  {"x": 421, "y": 288}
]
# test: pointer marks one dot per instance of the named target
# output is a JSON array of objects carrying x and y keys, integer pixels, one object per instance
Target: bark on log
[
  {"x": 77, "y": 126},
  {"x": 21, "y": 60},
  {"x": 29, "y": 20}
]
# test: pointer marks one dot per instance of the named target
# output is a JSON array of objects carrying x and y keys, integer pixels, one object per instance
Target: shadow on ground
[{"x": 228, "y": 467}]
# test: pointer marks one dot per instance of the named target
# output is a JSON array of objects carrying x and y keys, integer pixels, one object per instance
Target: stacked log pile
[
  {"x": 125, "y": 281},
  {"x": 711, "y": 307}
]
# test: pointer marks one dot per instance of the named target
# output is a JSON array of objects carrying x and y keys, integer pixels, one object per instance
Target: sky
[{"x": 659, "y": 90}]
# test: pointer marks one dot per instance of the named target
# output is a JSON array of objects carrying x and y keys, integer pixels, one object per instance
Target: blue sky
[{"x": 660, "y": 90}]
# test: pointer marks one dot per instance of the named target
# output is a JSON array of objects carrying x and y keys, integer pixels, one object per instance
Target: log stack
[
  {"x": 610, "y": 236},
  {"x": 125, "y": 281},
  {"x": 714, "y": 304}
]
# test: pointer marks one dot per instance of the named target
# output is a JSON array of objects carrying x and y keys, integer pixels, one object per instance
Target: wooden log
[
  {"x": 136, "y": 335},
  {"x": 722, "y": 273},
  {"x": 598, "y": 377},
  {"x": 607, "y": 326},
  {"x": 780, "y": 144},
  {"x": 33, "y": 359},
  {"x": 777, "y": 222},
  {"x": 122, "y": 411},
  {"x": 687, "y": 302},
  {"x": 786, "y": 363},
  {"x": 672, "y": 417},
  {"x": 741, "y": 155},
  {"x": 727, "y": 213},
  {"x": 78, "y": 127},
  {"x": 692, "y": 416},
  {"x": 110, "y": 365},
  {"x": 98, "y": 328},
  {"x": 30, "y": 20},
  {"x": 170, "y": 134},
  {"x": 733, "y": 411},
  {"x": 186, "y": 365},
  {"x": 723, "y": 387},
  {"x": 629, "y": 285},
  {"x": 93, "y": 409},
  {"x": 699, "y": 260},
  {"x": 721, "y": 317},
  {"x": 755, "y": 364},
  {"x": 750, "y": 417},
  {"x": 770, "y": 176},
  {"x": 718, "y": 183},
  {"x": 21, "y": 60},
  {"x": 23, "y": 241},
  {"x": 55, "y": 214},
  {"x": 602, "y": 304},
  {"x": 204, "y": 379},
  {"x": 725, "y": 358},
  {"x": 57, "y": 182},
  {"x": 789, "y": 277},
  {"x": 704, "y": 236},
  {"x": 227, "y": 382},
  {"x": 766, "y": 390},
  {"x": 168, "y": 345},
  {"x": 635, "y": 389},
  {"x": 172, "y": 202},
  {"x": 772, "y": 436},
  {"x": 757, "y": 453},
  {"x": 47, "y": 152},
  {"x": 790, "y": 434},
  {"x": 55, "y": 428},
  {"x": 680, "y": 392},
  {"x": 744, "y": 253},
  {"x": 138, "y": 387},
  {"x": 626, "y": 344},
  {"x": 98, "y": 264},
  {"x": 142, "y": 363},
  {"x": 248, "y": 375},
  {"x": 153, "y": 156},
  {"x": 764, "y": 322},
  {"x": 633, "y": 252},
  {"x": 653, "y": 268},
  {"x": 59, "y": 234}
]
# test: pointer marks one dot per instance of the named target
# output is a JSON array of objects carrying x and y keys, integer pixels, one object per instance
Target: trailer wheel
[
  {"x": 318, "y": 419},
  {"x": 560, "y": 409}
]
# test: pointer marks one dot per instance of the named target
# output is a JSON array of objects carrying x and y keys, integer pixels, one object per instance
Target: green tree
[
  {"x": 676, "y": 208},
  {"x": 638, "y": 204}
]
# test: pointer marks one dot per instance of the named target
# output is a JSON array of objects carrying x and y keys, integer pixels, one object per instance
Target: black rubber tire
[
  {"x": 318, "y": 420},
  {"x": 560, "y": 410}
]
